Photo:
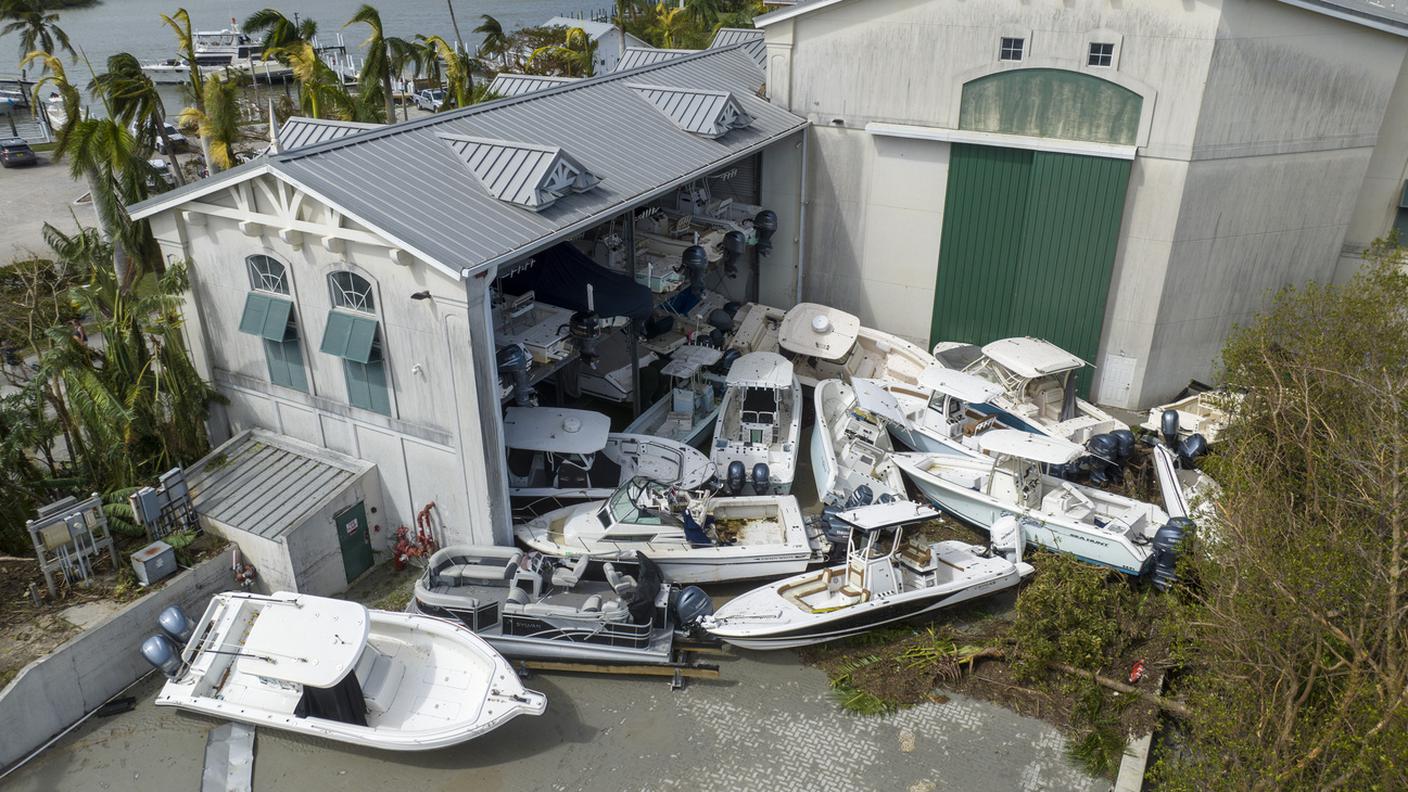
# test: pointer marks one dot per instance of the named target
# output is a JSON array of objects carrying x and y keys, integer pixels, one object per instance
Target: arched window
[
  {"x": 352, "y": 291},
  {"x": 267, "y": 274}
]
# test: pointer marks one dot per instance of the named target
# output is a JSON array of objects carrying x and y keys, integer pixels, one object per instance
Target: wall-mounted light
[{"x": 421, "y": 295}]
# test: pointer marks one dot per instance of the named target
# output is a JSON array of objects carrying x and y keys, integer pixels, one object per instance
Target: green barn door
[
  {"x": 1028, "y": 244},
  {"x": 354, "y": 539}
]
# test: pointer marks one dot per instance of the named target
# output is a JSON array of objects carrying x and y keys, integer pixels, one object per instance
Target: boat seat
[
  {"x": 469, "y": 574},
  {"x": 567, "y": 575},
  {"x": 963, "y": 478},
  {"x": 379, "y": 676},
  {"x": 518, "y": 596},
  {"x": 623, "y": 585},
  {"x": 592, "y": 605}
]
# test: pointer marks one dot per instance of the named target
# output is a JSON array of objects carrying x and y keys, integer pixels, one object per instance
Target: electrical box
[{"x": 154, "y": 563}]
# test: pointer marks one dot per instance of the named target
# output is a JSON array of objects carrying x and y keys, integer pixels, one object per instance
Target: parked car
[
  {"x": 178, "y": 140},
  {"x": 430, "y": 99},
  {"x": 160, "y": 179},
  {"x": 15, "y": 151}
]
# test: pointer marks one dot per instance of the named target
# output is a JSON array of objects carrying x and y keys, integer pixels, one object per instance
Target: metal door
[{"x": 354, "y": 537}]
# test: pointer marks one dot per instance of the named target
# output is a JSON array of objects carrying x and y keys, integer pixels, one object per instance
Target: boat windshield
[{"x": 625, "y": 506}]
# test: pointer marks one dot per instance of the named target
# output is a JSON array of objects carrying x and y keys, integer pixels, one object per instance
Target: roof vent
[
  {"x": 524, "y": 174},
  {"x": 708, "y": 113}
]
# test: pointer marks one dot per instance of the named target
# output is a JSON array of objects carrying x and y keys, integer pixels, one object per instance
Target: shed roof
[
  {"x": 266, "y": 484},
  {"x": 509, "y": 84},
  {"x": 752, "y": 40},
  {"x": 299, "y": 131},
  {"x": 403, "y": 181},
  {"x": 636, "y": 57}
]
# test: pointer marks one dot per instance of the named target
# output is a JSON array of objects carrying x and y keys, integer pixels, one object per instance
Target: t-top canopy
[
  {"x": 313, "y": 641},
  {"x": 688, "y": 359},
  {"x": 873, "y": 397},
  {"x": 555, "y": 429},
  {"x": 887, "y": 515},
  {"x": 1026, "y": 445},
  {"x": 962, "y": 386},
  {"x": 1029, "y": 357},
  {"x": 818, "y": 331},
  {"x": 761, "y": 370}
]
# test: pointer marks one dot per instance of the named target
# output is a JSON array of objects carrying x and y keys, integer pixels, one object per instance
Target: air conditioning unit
[{"x": 154, "y": 563}]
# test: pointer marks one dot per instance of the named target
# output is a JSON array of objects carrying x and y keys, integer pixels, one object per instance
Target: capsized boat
[
  {"x": 1038, "y": 381},
  {"x": 694, "y": 538},
  {"x": 334, "y": 669},
  {"x": 890, "y": 573},
  {"x": 687, "y": 413},
  {"x": 827, "y": 343},
  {"x": 1096, "y": 526},
  {"x": 849, "y": 448},
  {"x": 558, "y": 456},
  {"x": 579, "y": 610},
  {"x": 759, "y": 425}
]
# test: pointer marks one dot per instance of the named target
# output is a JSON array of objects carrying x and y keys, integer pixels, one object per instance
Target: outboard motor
[
  {"x": 760, "y": 478},
  {"x": 734, "y": 480},
  {"x": 585, "y": 327},
  {"x": 734, "y": 246},
  {"x": 1168, "y": 427},
  {"x": 696, "y": 262},
  {"x": 1007, "y": 539},
  {"x": 721, "y": 320},
  {"x": 514, "y": 362},
  {"x": 1104, "y": 459},
  {"x": 1192, "y": 447},
  {"x": 860, "y": 496},
  {"x": 1104, "y": 446},
  {"x": 692, "y": 604},
  {"x": 158, "y": 651},
  {"x": 765, "y": 223},
  {"x": 1166, "y": 541},
  {"x": 1125, "y": 440},
  {"x": 174, "y": 622}
]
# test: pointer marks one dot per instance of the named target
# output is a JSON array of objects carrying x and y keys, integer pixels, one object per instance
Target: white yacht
[
  {"x": 849, "y": 448},
  {"x": 944, "y": 414},
  {"x": 687, "y": 413},
  {"x": 827, "y": 343},
  {"x": 1091, "y": 524},
  {"x": 334, "y": 669},
  {"x": 1038, "y": 380},
  {"x": 694, "y": 539},
  {"x": 759, "y": 425},
  {"x": 885, "y": 578}
]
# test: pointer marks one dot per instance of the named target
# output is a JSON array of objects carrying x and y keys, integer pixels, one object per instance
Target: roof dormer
[
  {"x": 708, "y": 113},
  {"x": 523, "y": 174}
]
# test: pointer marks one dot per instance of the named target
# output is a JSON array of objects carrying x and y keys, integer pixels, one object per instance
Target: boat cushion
[
  {"x": 494, "y": 570},
  {"x": 567, "y": 575},
  {"x": 379, "y": 675}
]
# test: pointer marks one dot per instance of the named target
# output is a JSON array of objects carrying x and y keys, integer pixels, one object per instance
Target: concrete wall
[
  {"x": 313, "y": 548},
  {"x": 56, "y": 690}
]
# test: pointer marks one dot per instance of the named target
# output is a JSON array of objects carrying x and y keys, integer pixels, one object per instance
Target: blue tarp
[{"x": 560, "y": 276}]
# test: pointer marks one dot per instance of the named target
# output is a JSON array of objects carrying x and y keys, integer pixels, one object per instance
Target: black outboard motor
[
  {"x": 1166, "y": 541},
  {"x": 696, "y": 262},
  {"x": 1192, "y": 447},
  {"x": 585, "y": 327},
  {"x": 721, "y": 319},
  {"x": 1125, "y": 439},
  {"x": 513, "y": 362},
  {"x": 1104, "y": 446},
  {"x": 734, "y": 479},
  {"x": 690, "y": 605},
  {"x": 1104, "y": 459},
  {"x": 1168, "y": 427},
  {"x": 765, "y": 223},
  {"x": 173, "y": 621},
  {"x": 734, "y": 246},
  {"x": 726, "y": 362},
  {"x": 158, "y": 651},
  {"x": 760, "y": 478}
]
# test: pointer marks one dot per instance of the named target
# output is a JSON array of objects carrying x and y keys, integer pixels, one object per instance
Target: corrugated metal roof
[
  {"x": 710, "y": 113},
  {"x": 530, "y": 176},
  {"x": 752, "y": 40},
  {"x": 299, "y": 131},
  {"x": 265, "y": 484},
  {"x": 509, "y": 84},
  {"x": 595, "y": 30},
  {"x": 405, "y": 183},
  {"x": 636, "y": 57}
]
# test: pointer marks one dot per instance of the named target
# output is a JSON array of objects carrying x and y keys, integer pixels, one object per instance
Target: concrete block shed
[{"x": 309, "y": 519}]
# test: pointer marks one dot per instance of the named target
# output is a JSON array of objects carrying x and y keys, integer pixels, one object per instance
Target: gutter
[{"x": 802, "y": 222}]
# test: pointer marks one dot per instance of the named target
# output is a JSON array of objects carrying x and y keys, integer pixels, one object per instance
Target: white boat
[
  {"x": 827, "y": 343},
  {"x": 334, "y": 669},
  {"x": 612, "y": 377},
  {"x": 583, "y": 610},
  {"x": 558, "y": 456},
  {"x": 944, "y": 414},
  {"x": 1096, "y": 526},
  {"x": 687, "y": 413},
  {"x": 885, "y": 578},
  {"x": 759, "y": 425},
  {"x": 1205, "y": 413},
  {"x": 1038, "y": 380},
  {"x": 694, "y": 539},
  {"x": 849, "y": 449}
]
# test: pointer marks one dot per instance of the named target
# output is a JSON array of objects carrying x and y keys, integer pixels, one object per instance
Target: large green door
[
  {"x": 354, "y": 539},
  {"x": 1028, "y": 244}
]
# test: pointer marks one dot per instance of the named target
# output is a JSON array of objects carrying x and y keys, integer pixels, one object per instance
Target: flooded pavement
[{"x": 768, "y": 724}]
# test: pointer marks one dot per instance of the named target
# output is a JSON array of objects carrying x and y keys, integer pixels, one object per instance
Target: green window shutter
[
  {"x": 286, "y": 364},
  {"x": 366, "y": 386},
  {"x": 349, "y": 337},
  {"x": 265, "y": 316}
]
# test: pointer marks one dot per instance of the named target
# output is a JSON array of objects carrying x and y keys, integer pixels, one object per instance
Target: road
[{"x": 31, "y": 196}]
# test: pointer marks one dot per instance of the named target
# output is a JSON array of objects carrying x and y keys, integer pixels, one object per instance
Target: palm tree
[
  {"x": 132, "y": 99},
  {"x": 217, "y": 124},
  {"x": 180, "y": 22},
  {"x": 671, "y": 23},
  {"x": 37, "y": 26},
  {"x": 321, "y": 93},
  {"x": 575, "y": 56},
  {"x": 458, "y": 72},
  {"x": 375, "y": 76},
  {"x": 278, "y": 30},
  {"x": 403, "y": 55},
  {"x": 495, "y": 42}
]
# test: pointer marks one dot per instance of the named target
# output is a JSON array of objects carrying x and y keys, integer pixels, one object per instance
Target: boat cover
[
  {"x": 1031, "y": 357},
  {"x": 964, "y": 387},
  {"x": 560, "y": 276},
  {"x": 885, "y": 515},
  {"x": 555, "y": 429},
  {"x": 648, "y": 583},
  {"x": 1035, "y": 447},
  {"x": 328, "y": 636}
]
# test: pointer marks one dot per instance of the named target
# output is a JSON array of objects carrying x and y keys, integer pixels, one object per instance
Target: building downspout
[
  {"x": 486, "y": 391},
  {"x": 802, "y": 221}
]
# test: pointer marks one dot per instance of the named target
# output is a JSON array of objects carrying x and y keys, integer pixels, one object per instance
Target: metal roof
[
  {"x": 404, "y": 183},
  {"x": 594, "y": 29},
  {"x": 300, "y": 131},
  {"x": 531, "y": 176},
  {"x": 709, "y": 113},
  {"x": 509, "y": 84},
  {"x": 266, "y": 484},
  {"x": 636, "y": 57},
  {"x": 752, "y": 40}
]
